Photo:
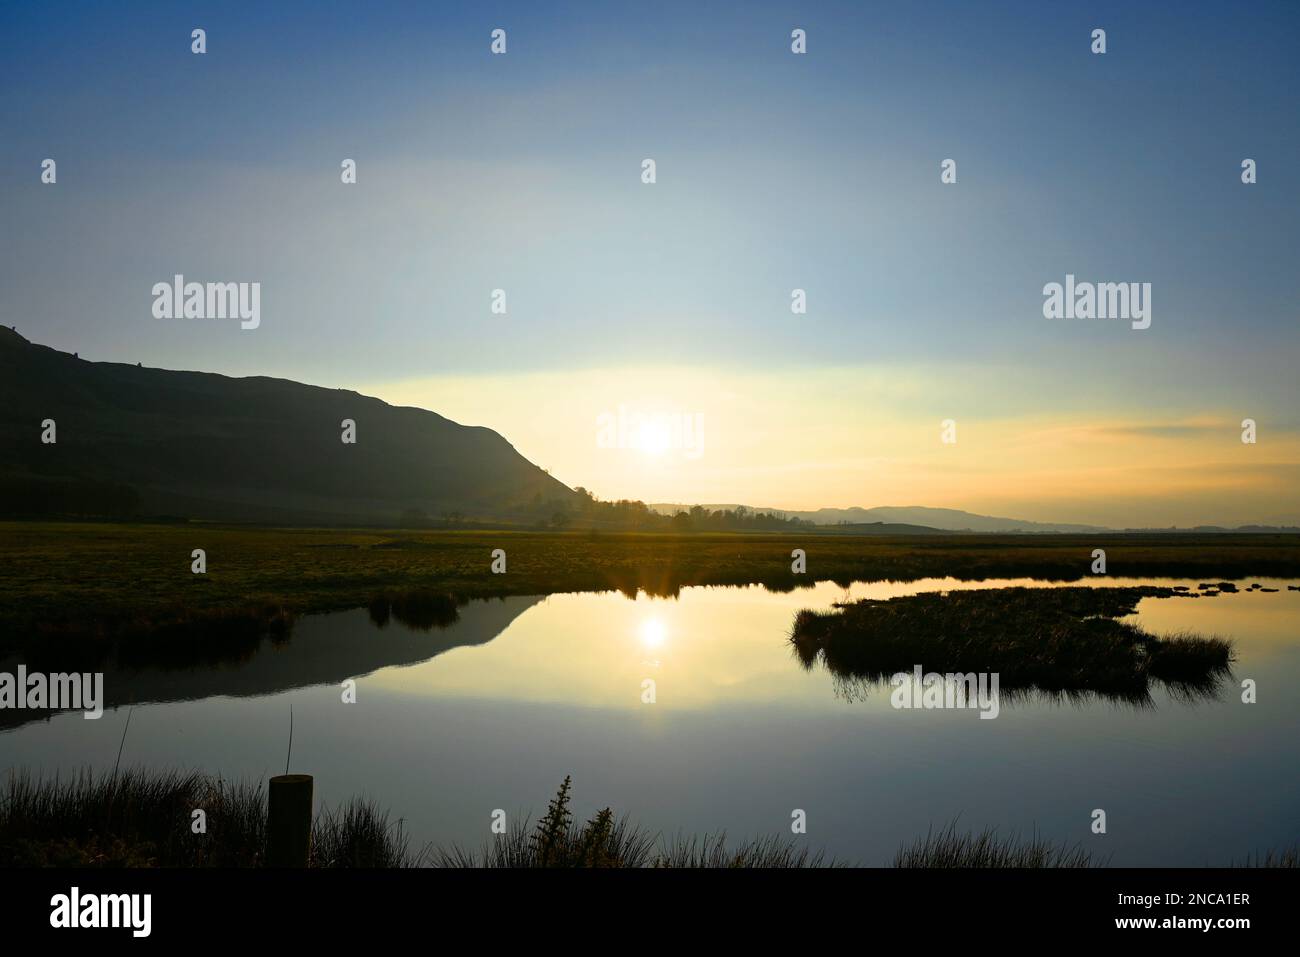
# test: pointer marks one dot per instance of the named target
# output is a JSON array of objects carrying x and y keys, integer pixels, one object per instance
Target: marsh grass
[
  {"x": 137, "y": 818},
  {"x": 131, "y": 818},
  {"x": 358, "y": 835},
  {"x": 122, "y": 582},
  {"x": 711, "y": 850},
  {"x": 143, "y": 819},
  {"x": 556, "y": 841},
  {"x": 1065, "y": 642},
  {"x": 950, "y": 848},
  {"x": 1285, "y": 857},
  {"x": 1186, "y": 658},
  {"x": 605, "y": 841}
]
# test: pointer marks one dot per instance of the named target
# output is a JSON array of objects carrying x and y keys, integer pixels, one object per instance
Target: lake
[{"x": 492, "y": 711}]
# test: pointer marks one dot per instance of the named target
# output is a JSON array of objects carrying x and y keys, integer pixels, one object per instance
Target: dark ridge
[{"x": 140, "y": 442}]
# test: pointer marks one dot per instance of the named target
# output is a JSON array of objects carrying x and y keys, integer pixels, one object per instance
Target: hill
[{"x": 133, "y": 441}]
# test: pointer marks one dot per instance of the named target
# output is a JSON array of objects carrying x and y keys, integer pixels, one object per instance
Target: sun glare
[
  {"x": 653, "y": 633},
  {"x": 654, "y": 438}
]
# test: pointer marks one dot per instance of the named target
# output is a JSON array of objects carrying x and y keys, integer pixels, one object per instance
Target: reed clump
[
  {"x": 1059, "y": 641},
  {"x": 950, "y": 848},
  {"x": 137, "y": 818}
]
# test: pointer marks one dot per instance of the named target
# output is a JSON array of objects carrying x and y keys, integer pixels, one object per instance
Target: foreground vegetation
[
  {"x": 1275, "y": 857},
  {"x": 557, "y": 840},
  {"x": 1053, "y": 640},
  {"x": 950, "y": 848},
  {"x": 143, "y": 819},
  {"x": 139, "y": 819},
  {"x": 85, "y": 586}
]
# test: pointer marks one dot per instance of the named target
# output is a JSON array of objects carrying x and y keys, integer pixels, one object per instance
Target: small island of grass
[{"x": 1059, "y": 641}]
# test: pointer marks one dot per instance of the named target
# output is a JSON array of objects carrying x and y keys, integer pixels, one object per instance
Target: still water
[{"x": 495, "y": 709}]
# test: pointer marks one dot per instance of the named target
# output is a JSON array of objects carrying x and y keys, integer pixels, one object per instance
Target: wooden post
[{"x": 288, "y": 820}]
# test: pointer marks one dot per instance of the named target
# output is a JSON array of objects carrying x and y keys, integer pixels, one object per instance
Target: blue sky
[{"x": 775, "y": 171}]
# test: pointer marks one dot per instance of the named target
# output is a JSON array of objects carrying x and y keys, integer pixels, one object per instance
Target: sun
[
  {"x": 654, "y": 439},
  {"x": 653, "y": 633}
]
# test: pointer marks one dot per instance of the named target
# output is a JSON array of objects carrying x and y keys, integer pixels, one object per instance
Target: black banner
[{"x": 212, "y": 906}]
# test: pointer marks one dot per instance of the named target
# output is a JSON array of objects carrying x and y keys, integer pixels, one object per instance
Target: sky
[{"x": 670, "y": 303}]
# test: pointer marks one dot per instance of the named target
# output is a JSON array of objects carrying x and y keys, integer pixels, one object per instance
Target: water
[{"x": 492, "y": 712}]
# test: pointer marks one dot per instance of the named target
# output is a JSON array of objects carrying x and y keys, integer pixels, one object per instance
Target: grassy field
[{"x": 70, "y": 580}]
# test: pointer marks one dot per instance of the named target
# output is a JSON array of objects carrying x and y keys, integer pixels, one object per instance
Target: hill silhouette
[{"x": 133, "y": 441}]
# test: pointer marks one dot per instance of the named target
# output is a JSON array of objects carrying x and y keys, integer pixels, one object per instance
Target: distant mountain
[
  {"x": 943, "y": 519},
  {"x": 137, "y": 441},
  {"x": 918, "y": 519},
  {"x": 1240, "y": 529},
  {"x": 950, "y": 519},
  {"x": 882, "y": 528}
]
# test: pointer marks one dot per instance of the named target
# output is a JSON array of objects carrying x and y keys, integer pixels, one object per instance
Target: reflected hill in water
[{"x": 320, "y": 649}]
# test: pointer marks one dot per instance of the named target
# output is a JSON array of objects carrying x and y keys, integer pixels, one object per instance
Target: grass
[
  {"x": 131, "y": 819},
  {"x": 360, "y": 835},
  {"x": 556, "y": 841},
  {"x": 1285, "y": 857},
  {"x": 1056, "y": 640},
  {"x": 950, "y": 848},
  {"x": 143, "y": 819},
  {"x": 87, "y": 587},
  {"x": 605, "y": 841}
]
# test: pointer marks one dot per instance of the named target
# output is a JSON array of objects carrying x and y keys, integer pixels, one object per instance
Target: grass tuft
[
  {"x": 1286, "y": 857},
  {"x": 950, "y": 848},
  {"x": 144, "y": 819}
]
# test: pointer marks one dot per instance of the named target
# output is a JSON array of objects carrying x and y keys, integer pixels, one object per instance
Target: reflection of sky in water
[{"x": 739, "y": 734}]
